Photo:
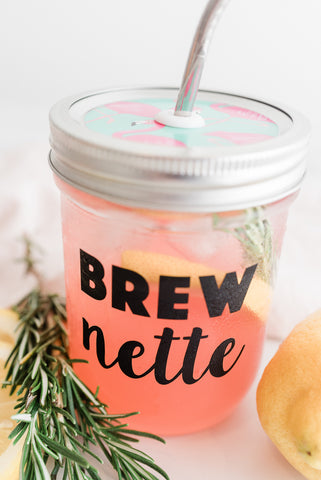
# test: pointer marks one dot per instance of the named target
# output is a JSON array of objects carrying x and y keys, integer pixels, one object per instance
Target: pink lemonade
[{"x": 181, "y": 374}]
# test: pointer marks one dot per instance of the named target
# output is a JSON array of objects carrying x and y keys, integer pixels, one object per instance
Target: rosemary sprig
[
  {"x": 256, "y": 239},
  {"x": 58, "y": 417}
]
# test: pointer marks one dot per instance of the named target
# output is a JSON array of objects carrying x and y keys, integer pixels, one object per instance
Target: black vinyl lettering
[
  {"x": 167, "y": 298},
  {"x": 216, "y": 363},
  {"x": 190, "y": 356},
  {"x": 160, "y": 365},
  {"x": 100, "y": 342},
  {"x": 92, "y": 274},
  {"x": 126, "y": 355},
  {"x": 135, "y": 297},
  {"x": 230, "y": 292}
]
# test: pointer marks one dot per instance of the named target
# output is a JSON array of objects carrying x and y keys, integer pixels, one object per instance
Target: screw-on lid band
[{"x": 248, "y": 153}]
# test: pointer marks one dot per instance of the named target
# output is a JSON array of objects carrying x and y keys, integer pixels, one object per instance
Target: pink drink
[
  {"x": 171, "y": 242},
  {"x": 186, "y": 389}
]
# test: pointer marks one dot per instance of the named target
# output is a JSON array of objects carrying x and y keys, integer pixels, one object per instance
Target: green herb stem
[{"x": 58, "y": 416}]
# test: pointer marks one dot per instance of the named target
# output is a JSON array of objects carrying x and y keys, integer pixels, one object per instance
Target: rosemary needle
[{"x": 58, "y": 417}]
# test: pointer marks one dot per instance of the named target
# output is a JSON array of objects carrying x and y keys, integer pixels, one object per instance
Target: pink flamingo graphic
[
  {"x": 101, "y": 116},
  {"x": 134, "y": 108},
  {"x": 239, "y": 138},
  {"x": 239, "y": 112},
  {"x": 108, "y": 118},
  {"x": 142, "y": 136}
]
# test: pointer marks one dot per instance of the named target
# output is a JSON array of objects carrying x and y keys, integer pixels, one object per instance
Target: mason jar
[{"x": 171, "y": 242}]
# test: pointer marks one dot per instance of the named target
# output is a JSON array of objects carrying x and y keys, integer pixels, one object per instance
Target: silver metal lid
[{"x": 248, "y": 153}]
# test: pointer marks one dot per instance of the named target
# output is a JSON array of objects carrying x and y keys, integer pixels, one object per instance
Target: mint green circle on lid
[{"x": 225, "y": 124}]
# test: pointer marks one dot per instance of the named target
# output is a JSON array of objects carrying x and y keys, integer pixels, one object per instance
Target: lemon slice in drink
[
  {"x": 151, "y": 265},
  {"x": 9, "y": 454}
]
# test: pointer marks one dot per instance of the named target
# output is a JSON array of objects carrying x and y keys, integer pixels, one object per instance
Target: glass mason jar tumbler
[{"x": 171, "y": 241}]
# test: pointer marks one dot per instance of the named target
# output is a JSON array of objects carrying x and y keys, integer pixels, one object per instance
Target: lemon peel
[
  {"x": 289, "y": 398},
  {"x": 152, "y": 264},
  {"x": 8, "y": 324},
  {"x": 10, "y": 454}
]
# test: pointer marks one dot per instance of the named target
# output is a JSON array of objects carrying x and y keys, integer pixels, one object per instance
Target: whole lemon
[{"x": 289, "y": 398}]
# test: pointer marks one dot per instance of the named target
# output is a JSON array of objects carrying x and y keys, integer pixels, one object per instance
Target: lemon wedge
[{"x": 151, "y": 265}]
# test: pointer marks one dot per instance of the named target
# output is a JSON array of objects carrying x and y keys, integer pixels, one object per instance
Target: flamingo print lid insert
[
  {"x": 225, "y": 124},
  {"x": 111, "y": 144}
]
